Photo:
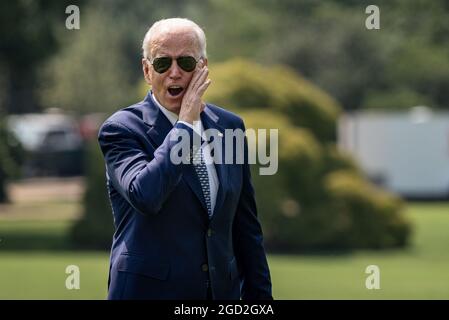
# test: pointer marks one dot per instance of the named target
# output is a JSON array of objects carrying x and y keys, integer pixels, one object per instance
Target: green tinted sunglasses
[{"x": 162, "y": 64}]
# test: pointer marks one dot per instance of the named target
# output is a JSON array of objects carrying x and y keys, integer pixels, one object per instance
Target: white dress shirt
[{"x": 199, "y": 129}]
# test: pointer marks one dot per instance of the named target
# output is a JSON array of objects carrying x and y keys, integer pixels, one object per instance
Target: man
[{"x": 183, "y": 230}]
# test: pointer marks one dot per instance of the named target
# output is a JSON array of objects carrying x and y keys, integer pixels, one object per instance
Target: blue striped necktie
[{"x": 201, "y": 171}]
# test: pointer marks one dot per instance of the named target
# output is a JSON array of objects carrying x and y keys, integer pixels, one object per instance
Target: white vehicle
[{"x": 405, "y": 152}]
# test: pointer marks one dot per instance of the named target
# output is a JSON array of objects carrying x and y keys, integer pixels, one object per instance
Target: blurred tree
[
  {"x": 5, "y": 164},
  {"x": 333, "y": 49},
  {"x": 95, "y": 228},
  {"x": 233, "y": 28},
  {"x": 325, "y": 41},
  {"x": 11, "y": 157},
  {"x": 90, "y": 74},
  {"x": 395, "y": 98},
  {"x": 401, "y": 65},
  {"x": 27, "y": 38},
  {"x": 98, "y": 69}
]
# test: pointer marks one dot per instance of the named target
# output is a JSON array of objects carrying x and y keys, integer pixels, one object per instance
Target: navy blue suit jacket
[{"x": 165, "y": 246}]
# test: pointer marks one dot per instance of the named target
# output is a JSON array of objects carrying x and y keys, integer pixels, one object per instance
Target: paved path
[
  {"x": 47, "y": 189},
  {"x": 44, "y": 199}
]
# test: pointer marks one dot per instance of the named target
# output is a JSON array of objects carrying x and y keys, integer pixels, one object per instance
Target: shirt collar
[{"x": 171, "y": 116}]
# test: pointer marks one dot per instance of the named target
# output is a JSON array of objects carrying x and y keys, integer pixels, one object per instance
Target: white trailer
[{"x": 405, "y": 152}]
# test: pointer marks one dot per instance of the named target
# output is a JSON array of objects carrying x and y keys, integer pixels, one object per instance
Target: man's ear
[
  {"x": 146, "y": 70},
  {"x": 201, "y": 63}
]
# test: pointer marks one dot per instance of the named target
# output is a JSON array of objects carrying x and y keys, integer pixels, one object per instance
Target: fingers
[
  {"x": 203, "y": 87},
  {"x": 198, "y": 78},
  {"x": 202, "y": 82},
  {"x": 195, "y": 77},
  {"x": 192, "y": 105}
]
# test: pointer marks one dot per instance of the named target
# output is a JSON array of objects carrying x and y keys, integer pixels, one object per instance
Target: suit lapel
[
  {"x": 192, "y": 180},
  {"x": 160, "y": 126},
  {"x": 210, "y": 121}
]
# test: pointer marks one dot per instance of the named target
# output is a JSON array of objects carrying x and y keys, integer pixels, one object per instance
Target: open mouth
[{"x": 175, "y": 90}]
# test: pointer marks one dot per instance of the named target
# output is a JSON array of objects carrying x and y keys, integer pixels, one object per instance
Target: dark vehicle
[{"x": 52, "y": 143}]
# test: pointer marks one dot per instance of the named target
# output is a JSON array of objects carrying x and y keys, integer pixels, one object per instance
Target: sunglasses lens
[
  {"x": 187, "y": 63},
  {"x": 162, "y": 64}
]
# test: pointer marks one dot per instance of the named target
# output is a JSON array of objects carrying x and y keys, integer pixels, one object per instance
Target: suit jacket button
[{"x": 205, "y": 267}]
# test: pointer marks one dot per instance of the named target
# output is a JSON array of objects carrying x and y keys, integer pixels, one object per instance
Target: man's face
[{"x": 169, "y": 87}]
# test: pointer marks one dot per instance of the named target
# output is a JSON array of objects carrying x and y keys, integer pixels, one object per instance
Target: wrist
[{"x": 188, "y": 119}]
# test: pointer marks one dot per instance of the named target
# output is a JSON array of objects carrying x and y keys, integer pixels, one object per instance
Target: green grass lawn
[{"x": 419, "y": 272}]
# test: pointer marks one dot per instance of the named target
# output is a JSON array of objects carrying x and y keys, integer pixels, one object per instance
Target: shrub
[
  {"x": 319, "y": 199},
  {"x": 95, "y": 229},
  {"x": 376, "y": 216},
  {"x": 11, "y": 157},
  {"x": 241, "y": 85}
]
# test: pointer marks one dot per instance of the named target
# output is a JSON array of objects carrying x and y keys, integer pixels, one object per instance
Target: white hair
[{"x": 165, "y": 25}]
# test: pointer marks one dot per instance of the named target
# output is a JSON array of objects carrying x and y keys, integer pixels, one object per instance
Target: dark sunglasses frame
[{"x": 162, "y": 64}]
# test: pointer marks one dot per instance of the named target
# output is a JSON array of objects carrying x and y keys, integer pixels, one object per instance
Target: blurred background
[{"x": 363, "y": 125}]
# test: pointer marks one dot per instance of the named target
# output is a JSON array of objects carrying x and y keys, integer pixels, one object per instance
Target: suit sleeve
[
  {"x": 144, "y": 180},
  {"x": 248, "y": 242}
]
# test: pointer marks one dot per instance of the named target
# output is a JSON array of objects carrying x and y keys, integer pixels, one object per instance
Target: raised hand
[{"x": 192, "y": 105}]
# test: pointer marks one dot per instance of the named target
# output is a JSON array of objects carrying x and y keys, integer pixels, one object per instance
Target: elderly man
[{"x": 183, "y": 230}]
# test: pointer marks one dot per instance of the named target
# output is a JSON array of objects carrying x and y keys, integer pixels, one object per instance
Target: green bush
[
  {"x": 241, "y": 85},
  {"x": 298, "y": 149},
  {"x": 95, "y": 229},
  {"x": 282, "y": 193},
  {"x": 374, "y": 214},
  {"x": 318, "y": 199},
  {"x": 353, "y": 215},
  {"x": 335, "y": 159}
]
